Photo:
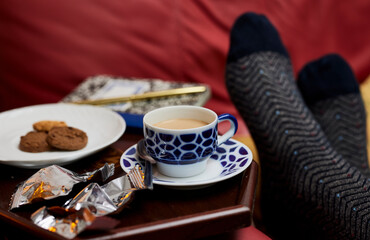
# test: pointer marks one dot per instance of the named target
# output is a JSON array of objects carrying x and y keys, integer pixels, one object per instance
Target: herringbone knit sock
[
  {"x": 331, "y": 91},
  {"x": 309, "y": 191}
]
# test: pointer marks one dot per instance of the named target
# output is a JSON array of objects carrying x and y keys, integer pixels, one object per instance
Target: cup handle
[{"x": 231, "y": 132}]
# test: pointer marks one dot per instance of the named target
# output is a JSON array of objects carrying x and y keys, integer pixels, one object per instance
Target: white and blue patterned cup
[{"x": 184, "y": 152}]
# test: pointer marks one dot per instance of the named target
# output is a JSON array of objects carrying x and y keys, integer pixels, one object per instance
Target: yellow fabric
[{"x": 365, "y": 92}]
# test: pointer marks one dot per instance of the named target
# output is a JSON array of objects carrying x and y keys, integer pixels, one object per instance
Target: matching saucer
[{"x": 230, "y": 159}]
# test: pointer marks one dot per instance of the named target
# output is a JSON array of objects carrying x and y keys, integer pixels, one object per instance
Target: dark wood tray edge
[{"x": 196, "y": 225}]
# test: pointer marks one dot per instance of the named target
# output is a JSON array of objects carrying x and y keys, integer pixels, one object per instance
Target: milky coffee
[{"x": 180, "y": 123}]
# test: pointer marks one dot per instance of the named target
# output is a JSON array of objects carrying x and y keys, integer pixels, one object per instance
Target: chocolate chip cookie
[
  {"x": 34, "y": 142},
  {"x": 67, "y": 138}
]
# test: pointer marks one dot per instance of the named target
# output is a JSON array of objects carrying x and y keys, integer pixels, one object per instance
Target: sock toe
[
  {"x": 253, "y": 33},
  {"x": 325, "y": 78}
]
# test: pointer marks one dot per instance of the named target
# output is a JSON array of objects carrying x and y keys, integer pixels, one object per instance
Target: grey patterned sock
[
  {"x": 331, "y": 91},
  {"x": 309, "y": 191}
]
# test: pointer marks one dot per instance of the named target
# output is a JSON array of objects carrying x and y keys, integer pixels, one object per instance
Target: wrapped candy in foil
[
  {"x": 67, "y": 223},
  {"x": 52, "y": 182},
  {"x": 106, "y": 199},
  {"x": 92, "y": 202}
]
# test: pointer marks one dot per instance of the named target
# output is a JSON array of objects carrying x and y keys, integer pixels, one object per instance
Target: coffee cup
[{"x": 182, "y": 138}]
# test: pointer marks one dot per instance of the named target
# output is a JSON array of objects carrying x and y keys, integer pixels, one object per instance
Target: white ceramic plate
[
  {"x": 230, "y": 159},
  {"x": 102, "y": 126}
]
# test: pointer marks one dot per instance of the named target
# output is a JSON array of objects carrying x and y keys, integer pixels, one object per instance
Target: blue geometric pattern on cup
[
  {"x": 232, "y": 157},
  {"x": 183, "y": 148}
]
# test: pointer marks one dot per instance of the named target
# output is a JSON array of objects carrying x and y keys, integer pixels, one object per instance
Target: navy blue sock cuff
[
  {"x": 325, "y": 78},
  {"x": 253, "y": 33}
]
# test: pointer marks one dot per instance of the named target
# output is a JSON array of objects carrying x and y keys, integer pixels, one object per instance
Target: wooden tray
[{"x": 163, "y": 213}]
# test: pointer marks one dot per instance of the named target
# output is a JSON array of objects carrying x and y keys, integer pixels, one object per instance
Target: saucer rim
[{"x": 202, "y": 182}]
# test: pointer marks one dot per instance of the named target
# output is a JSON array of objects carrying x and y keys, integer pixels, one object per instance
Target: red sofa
[{"x": 47, "y": 47}]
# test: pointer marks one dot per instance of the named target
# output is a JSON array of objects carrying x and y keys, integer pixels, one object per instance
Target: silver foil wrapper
[
  {"x": 66, "y": 223},
  {"x": 52, "y": 182},
  {"x": 93, "y": 202}
]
